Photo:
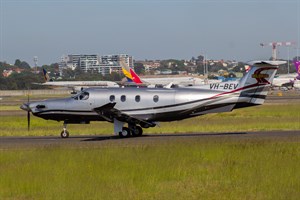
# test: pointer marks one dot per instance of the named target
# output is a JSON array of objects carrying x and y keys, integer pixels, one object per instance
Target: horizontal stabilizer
[{"x": 267, "y": 62}]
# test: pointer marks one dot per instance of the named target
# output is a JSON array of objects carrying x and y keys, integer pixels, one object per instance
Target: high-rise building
[{"x": 105, "y": 64}]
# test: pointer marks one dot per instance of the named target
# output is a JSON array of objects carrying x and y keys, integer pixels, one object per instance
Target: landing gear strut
[{"x": 64, "y": 133}]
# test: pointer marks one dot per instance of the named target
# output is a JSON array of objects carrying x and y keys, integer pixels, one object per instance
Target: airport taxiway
[{"x": 147, "y": 139}]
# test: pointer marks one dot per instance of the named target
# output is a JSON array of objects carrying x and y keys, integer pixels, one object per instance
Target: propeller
[
  {"x": 28, "y": 113},
  {"x": 26, "y": 107}
]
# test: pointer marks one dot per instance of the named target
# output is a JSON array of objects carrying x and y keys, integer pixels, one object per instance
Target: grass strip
[{"x": 203, "y": 169}]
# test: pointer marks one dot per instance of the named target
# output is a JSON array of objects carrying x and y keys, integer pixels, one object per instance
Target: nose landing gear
[{"x": 64, "y": 133}]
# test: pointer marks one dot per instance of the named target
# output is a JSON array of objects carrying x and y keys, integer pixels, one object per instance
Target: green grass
[
  {"x": 260, "y": 118},
  {"x": 9, "y": 107},
  {"x": 204, "y": 168}
]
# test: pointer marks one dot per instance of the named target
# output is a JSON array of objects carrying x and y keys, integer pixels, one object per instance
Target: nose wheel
[{"x": 64, "y": 133}]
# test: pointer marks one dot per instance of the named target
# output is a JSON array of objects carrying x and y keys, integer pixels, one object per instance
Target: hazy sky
[{"x": 146, "y": 29}]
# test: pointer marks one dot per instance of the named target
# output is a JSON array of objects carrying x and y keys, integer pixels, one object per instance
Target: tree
[
  {"x": 68, "y": 74},
  {"x": 139, "y": 68},
  {"x": 21, "y": 81},
  {"x": 4, "y": 65},
  {"x": 239, "y": 68},
  {"x": 200, "y": 58},
  {"x": 114, "y": 76},
  {"x": 296, "y": 58},
  {"x": 200, "y": 69},
  {"x": 24, "y": 65},
  {"x": 18, "y": 63}
]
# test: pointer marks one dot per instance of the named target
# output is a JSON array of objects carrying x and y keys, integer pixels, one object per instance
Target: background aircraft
[
  {"x": 166, "y": 81},
  {"x": 288, "y": 80},
  {"x": 76, "y": 85},
  {"x": 144, "y": 107}
]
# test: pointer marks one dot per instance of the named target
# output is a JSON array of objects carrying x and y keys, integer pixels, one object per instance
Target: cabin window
[
  {"x": 123, "y": 98},
  {"x": 155, "y": 98},
  {"x": 112, "y": 98},
  {"x": 137, "y": 98}
]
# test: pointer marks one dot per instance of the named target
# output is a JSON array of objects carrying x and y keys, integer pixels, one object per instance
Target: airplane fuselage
[
  {"x": 81, "y": 83},
  {"x": 157, "y": 104},
  {"x": 143, "y": 107}
]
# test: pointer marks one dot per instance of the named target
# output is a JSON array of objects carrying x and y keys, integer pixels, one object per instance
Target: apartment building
[{"x": 105, "y": 64}]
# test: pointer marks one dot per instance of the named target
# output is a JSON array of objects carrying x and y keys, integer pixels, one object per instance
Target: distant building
[
  {"x": 8, "y": 72},
  {"x": 150, "y": 65},
  {"x": 105, "y": 64}
]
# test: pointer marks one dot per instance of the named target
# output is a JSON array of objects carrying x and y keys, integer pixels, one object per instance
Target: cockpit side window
[{"x": 82, "y": 96}]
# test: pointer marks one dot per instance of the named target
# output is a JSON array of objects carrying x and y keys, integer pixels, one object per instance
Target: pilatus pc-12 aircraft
[{"x": 144, "y": 107}]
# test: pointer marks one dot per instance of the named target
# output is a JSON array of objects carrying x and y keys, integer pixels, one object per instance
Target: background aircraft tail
[
  {"x": 297, "y": 65},
  {"x": 130, "y": 74},
  {"x": 46, "y": 76},
  {"x": 127, "y": 74},
  {"x": 254, "y": 86}
]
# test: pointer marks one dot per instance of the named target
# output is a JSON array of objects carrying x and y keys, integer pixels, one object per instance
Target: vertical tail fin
[
  {"x": 297, "y": 65},
  {"x": 254, "y": 86},
  {"x": 130, "y": 74},
  {"x": 135, "y": 77},
  {"x": 46, "y": 76},
  {"x": 127, "y": 75}
]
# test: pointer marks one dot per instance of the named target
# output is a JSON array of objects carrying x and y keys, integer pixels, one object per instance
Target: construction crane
[{"x": 274, "y": 47}]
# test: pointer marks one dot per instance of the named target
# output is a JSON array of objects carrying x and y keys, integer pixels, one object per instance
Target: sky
[{"x": 147, "y": 29}]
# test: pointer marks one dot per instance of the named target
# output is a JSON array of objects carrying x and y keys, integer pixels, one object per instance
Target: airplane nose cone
[{"x": 25, "y": 107}]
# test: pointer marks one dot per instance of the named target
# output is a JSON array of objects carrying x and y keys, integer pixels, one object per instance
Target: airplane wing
[{"x": 109, "y": 113}]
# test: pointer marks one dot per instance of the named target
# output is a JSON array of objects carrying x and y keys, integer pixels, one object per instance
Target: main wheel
[
  {"x": 124, "y": 133},
  {"x": 137, "y": 131},
  {"x": 64, "y": 134}
]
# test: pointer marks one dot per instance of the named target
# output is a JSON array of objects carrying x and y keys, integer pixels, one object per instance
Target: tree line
[{"x": 28, "y": 75}]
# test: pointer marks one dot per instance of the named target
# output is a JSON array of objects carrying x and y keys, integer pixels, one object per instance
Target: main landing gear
[
  {"x": 64, "y": 133},
  {"x": 132, "y": 130},
  {"x": 125, "y": 132}
]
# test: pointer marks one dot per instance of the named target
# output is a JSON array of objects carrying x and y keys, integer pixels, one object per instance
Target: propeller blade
[
  {"x": 28, "y": 120},
  {"x": 28, "y": 113}
]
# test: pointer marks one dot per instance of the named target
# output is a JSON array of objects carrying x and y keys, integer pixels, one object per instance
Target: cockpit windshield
[{"x": 82, "y": 96}]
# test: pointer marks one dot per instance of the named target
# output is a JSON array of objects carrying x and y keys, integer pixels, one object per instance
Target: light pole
[
  {"x": 35, "y": 60},
  {"x": 288, "y": 59}
]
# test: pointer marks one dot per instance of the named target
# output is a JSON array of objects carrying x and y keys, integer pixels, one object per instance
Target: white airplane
[
  {"x": 166, "y": 81},
  {"x": 76, "y": 85},
  {"x": 288, "y": 80},
  {"x": 144, "y": 107}
]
